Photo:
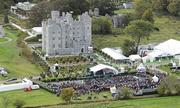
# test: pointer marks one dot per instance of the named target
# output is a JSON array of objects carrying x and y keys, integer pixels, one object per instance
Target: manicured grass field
[
  {"x": 3, "y": 40},
  {"x": 169, "y": 28},
  {"x": 42, "y": 97},
  {"x": 16, "y": 65},
  {"x": 34, "y": 98},
  {"x": 160, "y": 102}
]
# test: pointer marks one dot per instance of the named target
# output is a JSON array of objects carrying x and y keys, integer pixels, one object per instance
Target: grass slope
[
  {"x": 124, "y": 11},
  {"x": 42, "y": 97},
  {"x": 17, "y": 65},
  {"x": 34, "y": 98},
  {"x": 161, "y": 102},
  {"x": 169, "y": 28}
]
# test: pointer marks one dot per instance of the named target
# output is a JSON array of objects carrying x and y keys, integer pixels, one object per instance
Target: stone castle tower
[{"x": 63, "y": 35}]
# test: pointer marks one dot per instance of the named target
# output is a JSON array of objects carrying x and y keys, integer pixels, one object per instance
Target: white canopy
[
  {"x": 102, "y": 67},
  {"x": 26, "y": 83},
  {"x": 114, "y": 54},
  {"x": 134, "y": 57},
  {"x": 38, "y": 30},
  {"x": 170, "y": 46},
  {"x": 113, "y": 89},
  {"x": 155, "y": 78},
  {"x": 159, "y": 53}
]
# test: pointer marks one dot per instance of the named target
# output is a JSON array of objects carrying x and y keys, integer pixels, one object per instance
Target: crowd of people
[{"x": 97, "y": 85}]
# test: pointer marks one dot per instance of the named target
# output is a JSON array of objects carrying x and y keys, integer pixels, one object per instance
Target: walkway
[{"x": 18, "y": 27}]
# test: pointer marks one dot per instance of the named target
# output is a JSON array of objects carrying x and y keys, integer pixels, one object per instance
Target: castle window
[
  {"x": 53, "y": 38},
  {"x": 53, "y": 45},
  {"x": 59, "y": 45},
  {"x": 66, "y": 45}
]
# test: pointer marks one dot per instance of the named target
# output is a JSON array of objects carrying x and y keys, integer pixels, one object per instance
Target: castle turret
[{"x": 54, "y": 15}]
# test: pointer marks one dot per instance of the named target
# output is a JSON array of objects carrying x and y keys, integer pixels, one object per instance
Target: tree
[
  {"x": 39, "y": 13},
  {"x": 128, "y": 47},
  {"x": 160, "y": 5},
  {"x": 148, "y": 15},
  {"x": 125, "y": 93},
  {"x": 5, "y": 5},
  {"x": 105, "y": 6},
  {"x": 79, "y": 6},
  {"x": 169, "y": 86},
  {"x": 174, "y": 7},
  {"x": 102, "y": 25},
  {"x": 27, "y": 53},
  {"x": 43, "y": 9},
  {"x": 6, "y": 19},
  {"x": 67, "y": 94},
  {"x": 138, "y": 30},
  {"x": 171, "y": 6},
  {"x": 141, "y": 6},
  {"x": 19, "y": 103}
]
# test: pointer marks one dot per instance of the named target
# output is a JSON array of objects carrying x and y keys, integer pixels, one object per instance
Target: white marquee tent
[
  {"x": 134, "y": 57},
  {"x": 170, "y": 46},
  {"x": 157, "y": 53},
  {"x": 37, "y": 30},
  {"x": 116, "y": 55},
  {"x": 103, "y": 67}
]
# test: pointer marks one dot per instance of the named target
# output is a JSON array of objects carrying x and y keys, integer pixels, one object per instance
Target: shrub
[
  {"x": 169, "y": 86},
  {"x": 67, "y": 94},
  {"x": 124, "y": 93},
  {"x": 89, "y": 98},
  {"x": 19, "y": 103},
  {"x": 6, "y": 19},
  {"x": 102, "y": 25}
]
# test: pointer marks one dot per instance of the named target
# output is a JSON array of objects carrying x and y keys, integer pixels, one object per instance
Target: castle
[{"x": 63, "y": 35}]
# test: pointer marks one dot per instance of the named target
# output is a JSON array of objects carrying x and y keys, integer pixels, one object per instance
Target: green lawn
[
  {"x": 3, "y": 40},
  {"x": 160, "y": 102},
  {"x": 34, "y": 98},
  {"x": 169, "y": 28},
  {"x": 17, "y": 65},
  {"x": 124, "y": 11},
  {"x": 42, "y": 97},
  {"x": 167, "y": 69}
]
